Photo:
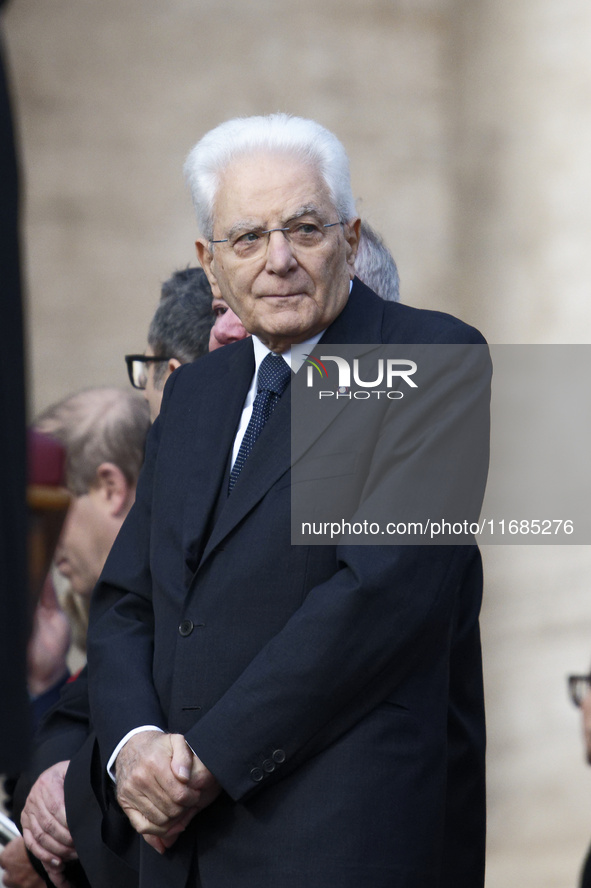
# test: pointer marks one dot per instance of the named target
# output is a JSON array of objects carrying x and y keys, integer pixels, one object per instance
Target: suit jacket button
[
  {"x": 185, "y": 628},
  {"x": 257, "y": 775},
  {"x": 269, "y": 766},
  {"x": 279, "y": 756}
]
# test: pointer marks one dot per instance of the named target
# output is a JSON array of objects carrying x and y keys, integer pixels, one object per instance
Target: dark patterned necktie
[{"x": 272, "y": 378}]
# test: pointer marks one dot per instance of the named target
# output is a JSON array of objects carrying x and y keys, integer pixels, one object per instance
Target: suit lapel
[
  {"x": 360, "y": 321},
  {"x": 268, "y": 461},
  {"x": 358, "y": 324},
  {"x": 210, "y": 443}
]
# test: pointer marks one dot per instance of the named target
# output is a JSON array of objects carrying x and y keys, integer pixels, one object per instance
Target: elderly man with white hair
[{"x": 271, "y": 715}]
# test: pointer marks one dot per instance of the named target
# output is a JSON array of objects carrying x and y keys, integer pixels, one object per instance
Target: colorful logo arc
[{"x": 317, "y": 363}]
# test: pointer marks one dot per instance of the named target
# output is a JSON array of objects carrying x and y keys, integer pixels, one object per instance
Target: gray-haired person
[
  {"x": 178, "y": 334},
  {"x": 287, "y": 715}
]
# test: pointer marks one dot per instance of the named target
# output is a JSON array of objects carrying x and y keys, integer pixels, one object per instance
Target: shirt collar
[{"x": 294, "y": 356}]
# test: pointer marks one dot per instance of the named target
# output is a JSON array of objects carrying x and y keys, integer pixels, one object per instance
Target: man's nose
[
  {"x": 61, "y": 544},
  {"x": 280, "y": 255}
]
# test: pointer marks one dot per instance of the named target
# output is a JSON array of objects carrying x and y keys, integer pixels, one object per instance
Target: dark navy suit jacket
[{"x": 334, "y": 691}]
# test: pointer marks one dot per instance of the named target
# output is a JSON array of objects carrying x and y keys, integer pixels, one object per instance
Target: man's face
[
  {"x": 285, "y": 294},
  {"x": 227, "y": 326},
  {"x": 87, "y": 536}
]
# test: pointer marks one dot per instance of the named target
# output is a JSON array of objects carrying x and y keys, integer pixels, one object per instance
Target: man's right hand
[
  {"x": 17, "y": 869},
  {"x": 159, "y": 786},
  {"x": 45, "y": 828}
]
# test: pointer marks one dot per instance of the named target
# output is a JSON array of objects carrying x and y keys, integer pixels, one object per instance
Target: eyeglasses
[
  {"x": 301, "y": 235},
  {"x": 578, "y": 687},
  {"x": 137, "y": 370}
]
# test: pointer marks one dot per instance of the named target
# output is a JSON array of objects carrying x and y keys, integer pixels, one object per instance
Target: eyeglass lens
[
  {"x": 139, "y": 374},
  {"x": 579, "y": 686},
  {"x": 300, "y": 234}
]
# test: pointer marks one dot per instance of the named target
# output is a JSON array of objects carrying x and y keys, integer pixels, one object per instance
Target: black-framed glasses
[
  {"x": 302, "y": 235},
  {"x": 578, "y": 687},
  {"x": 137, "y": 370}
]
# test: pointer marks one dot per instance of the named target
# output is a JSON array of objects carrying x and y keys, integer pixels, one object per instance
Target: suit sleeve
[
  {"x": 65, "y": 727},
  {"x": 120, "y": 639},
  {"x": 60, "y": 735}
]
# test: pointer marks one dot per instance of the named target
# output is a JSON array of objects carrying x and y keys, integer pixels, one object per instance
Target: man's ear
[
  {"x": 205, "y": 257},
  {"x": 173, "y": 363},
  {"x": 351, "y": 231},
  {"x": 115, "y": 493}
]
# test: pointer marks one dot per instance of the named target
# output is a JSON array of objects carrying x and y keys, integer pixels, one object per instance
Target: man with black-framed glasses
[{"x": 179, "y": 333}]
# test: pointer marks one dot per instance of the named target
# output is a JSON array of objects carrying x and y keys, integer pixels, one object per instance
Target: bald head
[{"x": 96, "y": 426}]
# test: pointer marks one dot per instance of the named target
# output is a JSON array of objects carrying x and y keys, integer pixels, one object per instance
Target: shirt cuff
[{"x": 121, "y": 744}]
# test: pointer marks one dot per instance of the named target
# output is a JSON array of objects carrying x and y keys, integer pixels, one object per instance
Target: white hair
[{"x": 279, "y": 132}]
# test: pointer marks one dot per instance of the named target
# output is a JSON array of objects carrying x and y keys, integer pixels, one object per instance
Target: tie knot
[{"x": 273, "y": 375}]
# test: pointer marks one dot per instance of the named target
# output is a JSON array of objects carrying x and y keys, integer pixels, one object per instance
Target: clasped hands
[{"x": 161, "y": 785}]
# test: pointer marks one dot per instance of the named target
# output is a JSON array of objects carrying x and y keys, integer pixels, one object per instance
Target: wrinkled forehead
[{"x": 268, "y": 187}]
